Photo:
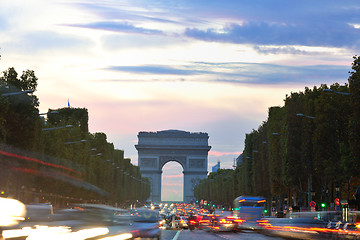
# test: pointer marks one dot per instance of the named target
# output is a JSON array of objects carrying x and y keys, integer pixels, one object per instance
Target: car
[
  {"x": 183, "y": 222},
  {"x": 205, "y": 221},
  {"x": 145, "y": 224},
  {"x": 222, "y": 224}
]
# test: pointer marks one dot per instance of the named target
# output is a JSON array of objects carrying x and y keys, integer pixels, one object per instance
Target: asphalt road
[{"x": 205, "y": 235}]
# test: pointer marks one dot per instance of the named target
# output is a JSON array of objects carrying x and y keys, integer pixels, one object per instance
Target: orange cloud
[
  {"x": 172, "y": 184},
  {"x": 220, "y": 154},
  {"x": 174, "y": 176}
]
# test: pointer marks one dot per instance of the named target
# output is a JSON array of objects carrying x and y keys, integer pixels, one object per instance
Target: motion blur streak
[
  {"x": 38, "y": 161},
  {"x": 44, "y": 173},
  {"x": 54, "y": 233},
  {"x": 45, "y": 232},
  {"x": 88, "y": 233},
  {"x": 118, "y": 237},
  {"x": 11, "y": 211}
]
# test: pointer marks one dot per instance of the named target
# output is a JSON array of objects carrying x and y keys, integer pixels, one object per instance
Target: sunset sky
[{"x": 200, "y": 66}]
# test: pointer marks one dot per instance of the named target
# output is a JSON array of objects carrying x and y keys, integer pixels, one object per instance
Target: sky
[{"x": 199, "y": 66}]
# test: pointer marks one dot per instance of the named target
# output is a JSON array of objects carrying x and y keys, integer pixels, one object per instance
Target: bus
[{"x": 248, "y": 208}]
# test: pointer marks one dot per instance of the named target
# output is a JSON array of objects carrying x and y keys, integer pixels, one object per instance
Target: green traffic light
[
  {"x": 323, "y": 205},
  {"x": 265, "y": 211}
]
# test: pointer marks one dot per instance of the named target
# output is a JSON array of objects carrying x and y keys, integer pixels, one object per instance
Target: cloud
[
  {"x": 120, "y": 11},
  {"x": 221, "y": 154},
  {"x": 121, "y": 41},
  {"x": 280, "y": 34},
  {"x": 174, "y": 176},
  {"x": 280, "y": 50},
  {"x": 114, "y": 26},
  {"x": 173, "y": 184},
  {"x": 157, "y": 69},
  {"x": 240, "y": 73},
  {"x": 40, "y": 41}
]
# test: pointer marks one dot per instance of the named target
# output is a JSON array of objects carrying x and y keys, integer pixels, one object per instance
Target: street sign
[
  {"x": 337, "y": 201},
  {"x": 312, "y": 204}
]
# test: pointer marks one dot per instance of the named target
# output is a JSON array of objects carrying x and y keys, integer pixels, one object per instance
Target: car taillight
[
  {"x": 204, "y": 221},
  {"x": 224, "y": 221},
  {"x": 240, "y": 220}
]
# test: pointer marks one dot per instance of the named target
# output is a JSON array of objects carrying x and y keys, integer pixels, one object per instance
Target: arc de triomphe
[{"x": 189, "y": 149}]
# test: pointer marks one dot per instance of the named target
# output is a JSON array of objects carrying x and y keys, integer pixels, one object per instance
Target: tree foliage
[
  {"x": 64, "y": 160},
  {"x": 311, "y": 144}
]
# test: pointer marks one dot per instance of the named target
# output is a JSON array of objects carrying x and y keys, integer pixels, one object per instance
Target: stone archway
[{"x": 190, "y": 150}]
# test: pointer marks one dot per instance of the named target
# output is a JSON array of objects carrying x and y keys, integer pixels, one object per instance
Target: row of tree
[
  {"x": 307, "y": 150},
  {"x": 53, "y": 156}
]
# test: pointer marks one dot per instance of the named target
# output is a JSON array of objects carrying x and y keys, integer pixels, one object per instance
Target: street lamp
[
  {"x": 53, "y": 128},
  {"x": 48, "y": 113},
  {"x": 83, "y": 140},
  {"x": 303, "y": 115},
  {"x": 99, "y": 154},
  {"x": 16, "y": 93},
  {"x": 330, "y": 90}
]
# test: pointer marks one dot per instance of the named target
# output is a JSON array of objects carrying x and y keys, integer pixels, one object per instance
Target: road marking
[{"x": 177, "y": 235}]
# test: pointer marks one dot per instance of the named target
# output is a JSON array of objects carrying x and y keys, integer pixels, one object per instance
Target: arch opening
[{"x": 172, "y": 182}]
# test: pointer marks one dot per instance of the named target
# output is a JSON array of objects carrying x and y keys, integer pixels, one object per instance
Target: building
[{"x": 216, "y": 167}]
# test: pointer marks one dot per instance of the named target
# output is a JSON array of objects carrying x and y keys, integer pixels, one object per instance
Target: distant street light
[
  {"x": 83, "y": 140},
  {"x": 343, "y": 93},
  {"x": 99, "y": 154},
  {"x": 48, "y": 113},
  {"x": 302, "y": 115},
  {"x": 53, "y": 128},
  {"x": 16, "y": 93}
]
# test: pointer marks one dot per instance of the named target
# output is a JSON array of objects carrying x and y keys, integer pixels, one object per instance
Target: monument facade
[{"x": 190, "y": 150}]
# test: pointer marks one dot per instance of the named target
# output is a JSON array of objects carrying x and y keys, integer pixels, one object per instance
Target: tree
[
  {"x": 19, "y": 125},
  {"x": 354, "y": 85}
]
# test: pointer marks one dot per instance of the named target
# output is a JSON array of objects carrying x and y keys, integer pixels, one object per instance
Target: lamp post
[
  {"x": 16, "y": 93},
  {"x": 310, "y": 192},
  {"x": 303, "y": 115},
  {"x": 51, "y": 112},
  {"x": 53, "y": 128},
  {"x": 83, "y": 140},
  {"x": 330, "y": 90}
]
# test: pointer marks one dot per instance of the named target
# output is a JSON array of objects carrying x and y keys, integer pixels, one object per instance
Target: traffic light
[
  {"x": 323, "y": 205},
  {"x": 265, "y": 211}
]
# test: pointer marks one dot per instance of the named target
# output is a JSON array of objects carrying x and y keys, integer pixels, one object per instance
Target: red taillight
[
  {"x": 204, "y": 221},
  {"x": 224, "y": 221},
  {"x": 239, "y": 220}
]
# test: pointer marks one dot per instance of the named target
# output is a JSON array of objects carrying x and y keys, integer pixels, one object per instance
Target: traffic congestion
[{"x": 170, "y": 221}]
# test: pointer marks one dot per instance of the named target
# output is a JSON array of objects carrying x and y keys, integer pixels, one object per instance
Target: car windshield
[{"x": 145, "y": 216}]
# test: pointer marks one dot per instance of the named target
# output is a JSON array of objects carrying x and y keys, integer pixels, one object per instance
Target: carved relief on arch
[
  {"x": 180, "y": 159},
  {"x": 148, "y": 162},
  {"x": 197, "y": 163}
]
